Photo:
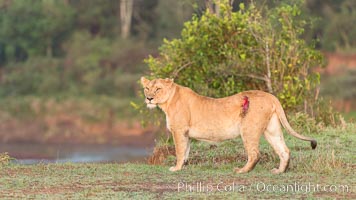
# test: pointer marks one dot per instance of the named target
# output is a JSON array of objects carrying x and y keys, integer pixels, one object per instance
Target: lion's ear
[
  {"x": 144, "y": 81},
  {"x": 168, "y": 81}
]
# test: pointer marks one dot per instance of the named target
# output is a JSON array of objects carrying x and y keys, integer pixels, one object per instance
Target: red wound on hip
[{"x": 245, "y": 105}]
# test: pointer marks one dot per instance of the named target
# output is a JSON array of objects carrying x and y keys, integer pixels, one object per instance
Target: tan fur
[{"x": 190, "y": 115}]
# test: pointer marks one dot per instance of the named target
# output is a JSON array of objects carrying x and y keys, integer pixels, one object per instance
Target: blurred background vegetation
[{"x": 71, "y": 67}]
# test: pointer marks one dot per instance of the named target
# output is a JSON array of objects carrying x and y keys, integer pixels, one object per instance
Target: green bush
[
  {"x": 34, "y": 28},
  {"x": 92, "y": 67},
  {"x": 219, "y": 55},
  {"x": 324, "y": 113},
  {"x": 303, "y": 123},
  {"x": 35, "y": 76}
]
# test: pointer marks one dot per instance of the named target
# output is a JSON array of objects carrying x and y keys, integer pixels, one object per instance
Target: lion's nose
[{"x": 149, "y": 98}]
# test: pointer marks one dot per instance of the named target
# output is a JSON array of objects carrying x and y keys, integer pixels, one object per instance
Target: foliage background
[
  {"x": 56, "y": 54},
  {"x": 222, "y": 54}
]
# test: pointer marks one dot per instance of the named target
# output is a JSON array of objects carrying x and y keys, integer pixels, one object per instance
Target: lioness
[{"x": 249, "y": 114}]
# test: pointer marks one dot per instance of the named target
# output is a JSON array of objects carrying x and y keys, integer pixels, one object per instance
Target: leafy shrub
[
  {"x": 304, "y": 124},
  {"x": 5, "y": 159},
  {"x": 34, "y": 28},
  {"x": 219, "y": 55},
  {"x": 84, "y": 55},
  {"x": 35, "y": 76},
  {"x": 92, "y": 67},
  {"x": 324, "y": 113},
  {"x": 94, "y": 63}
]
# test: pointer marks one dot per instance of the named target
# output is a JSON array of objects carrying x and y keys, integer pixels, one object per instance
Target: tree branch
[
  {"x": 253, "y": 76},
  {"x": 268, "y": 76},
  {"x": 176, "y": 72}
]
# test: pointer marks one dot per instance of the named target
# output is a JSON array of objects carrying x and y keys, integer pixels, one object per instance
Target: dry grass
[{"x": 5, "y": 159}]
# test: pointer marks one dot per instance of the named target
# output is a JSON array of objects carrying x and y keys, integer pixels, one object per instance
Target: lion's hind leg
[{"x": 274, "y": 136}]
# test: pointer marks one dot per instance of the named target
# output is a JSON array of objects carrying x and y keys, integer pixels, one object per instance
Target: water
[{"x": 54, "y": 153}]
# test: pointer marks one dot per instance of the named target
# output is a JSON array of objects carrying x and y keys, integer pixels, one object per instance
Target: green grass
[
  {"x": 332, "y": 163},
  {"x": 351, "y": 116}
]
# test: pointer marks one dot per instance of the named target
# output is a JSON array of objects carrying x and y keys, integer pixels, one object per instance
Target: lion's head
[{"x": 156, "y": 91}]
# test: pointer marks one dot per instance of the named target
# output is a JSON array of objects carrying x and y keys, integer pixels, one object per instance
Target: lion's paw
[
  {"x": 240, "y": 170},
  {"x": 276, "y": 171},
  {"x": 173, "y": 169}
]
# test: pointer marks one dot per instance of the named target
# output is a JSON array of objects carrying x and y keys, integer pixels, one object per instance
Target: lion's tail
[{"x": 286, "y": 125}]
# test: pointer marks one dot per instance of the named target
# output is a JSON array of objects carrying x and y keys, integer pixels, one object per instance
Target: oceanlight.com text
[{"x": 295, "y": 187}]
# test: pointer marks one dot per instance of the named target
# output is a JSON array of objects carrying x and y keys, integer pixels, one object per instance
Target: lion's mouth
[{"x": 151, "y": 105}]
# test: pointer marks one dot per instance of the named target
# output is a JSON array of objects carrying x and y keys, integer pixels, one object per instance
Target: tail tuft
[{"x": 313, "y": 144}]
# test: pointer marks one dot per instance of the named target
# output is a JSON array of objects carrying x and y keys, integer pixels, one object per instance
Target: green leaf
[{"x": 242, "y": 6}]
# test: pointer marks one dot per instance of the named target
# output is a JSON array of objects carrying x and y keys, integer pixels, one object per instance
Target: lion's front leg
[{"x": 181, "y": 141}]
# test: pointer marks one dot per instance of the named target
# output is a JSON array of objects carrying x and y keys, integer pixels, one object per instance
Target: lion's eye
[
  {"x": 158, "y": 89},
  {"x": 146, "y": 88}
]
